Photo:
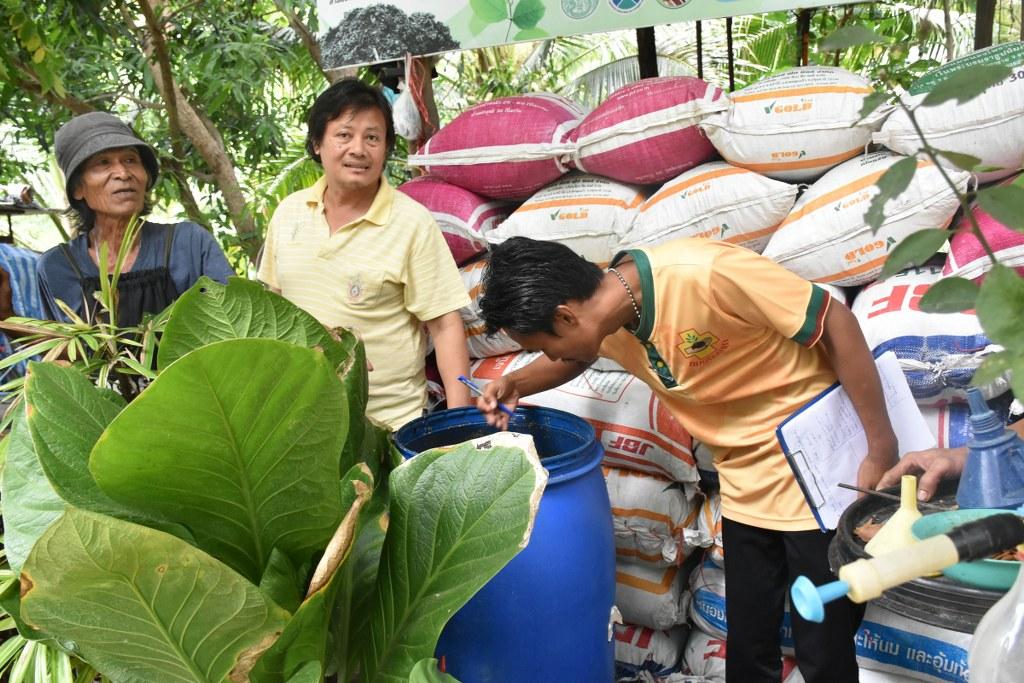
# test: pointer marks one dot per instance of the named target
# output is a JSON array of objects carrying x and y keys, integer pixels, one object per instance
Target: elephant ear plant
[{"x": 229, "y": 523}]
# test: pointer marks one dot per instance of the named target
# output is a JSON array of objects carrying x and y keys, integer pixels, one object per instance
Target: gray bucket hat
[{"x": 88, "y": 134}]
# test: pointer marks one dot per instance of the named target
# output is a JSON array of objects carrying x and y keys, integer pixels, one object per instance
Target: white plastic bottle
[{"x": 997, "y": 649}]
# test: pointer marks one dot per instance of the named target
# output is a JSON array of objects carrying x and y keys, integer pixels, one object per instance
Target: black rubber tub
[{"x": 938, "y": 601}]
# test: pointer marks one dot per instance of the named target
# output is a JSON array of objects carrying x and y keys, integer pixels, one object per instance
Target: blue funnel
[
  {"x": 993, "y": 476},
  {"x": 809, "y": 600}
]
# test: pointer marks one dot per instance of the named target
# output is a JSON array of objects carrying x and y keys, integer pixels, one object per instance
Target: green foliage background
[{"x": 250, "y": 70}]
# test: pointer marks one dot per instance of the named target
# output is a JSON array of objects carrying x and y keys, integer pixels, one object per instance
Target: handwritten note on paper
[{"x": 826, "y": 444}]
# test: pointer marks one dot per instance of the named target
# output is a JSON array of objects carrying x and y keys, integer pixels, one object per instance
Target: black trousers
[{"x": 760, "y": 566}]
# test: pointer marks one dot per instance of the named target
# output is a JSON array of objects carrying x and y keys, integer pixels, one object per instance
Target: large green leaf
[
  {"x": 914, "y": 250},
  {"x": 1004, "y": 203},
  {"x": 239, "y": 441},
  {"x": 30, "y": 503},
  {"x": 66, "y": 415},
  {"x": 210, "y": 312},
  {"x": 950, "y": 295},
  {"x": 457, "y": 517},
  {"x": 893, "y": 182},
  {"x": 994, "y": 366},
  {"x": 872, "y": 102},
  {"x": 144, "y": 606},
  {"x": 305, "y": 637},
  {"x": 849, "y": 36},
  {"x": 1000, "y": 307},
  {"x": 426, "y": 671},
  {"x": 965, "y": 84}
]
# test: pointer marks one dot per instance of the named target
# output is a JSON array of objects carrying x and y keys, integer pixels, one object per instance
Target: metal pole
[
  {"x": 985, "y": 17},
  {"x": 728, "y": 41},
  {"x": 700, "y": 53},
  {"x": 647, "y": 52},
  {"x": 803, "y": 31}
]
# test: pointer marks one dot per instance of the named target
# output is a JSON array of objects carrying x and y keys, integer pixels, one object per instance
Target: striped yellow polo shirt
[{"x": 382, "y": 275}]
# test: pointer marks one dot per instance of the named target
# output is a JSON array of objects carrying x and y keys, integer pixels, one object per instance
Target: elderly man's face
[{"x": 113, "y": 183}]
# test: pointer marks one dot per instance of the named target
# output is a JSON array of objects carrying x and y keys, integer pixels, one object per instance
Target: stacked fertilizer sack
[
  {"x": 826, "y": 239},
  {"x": 784, "y": 167}
]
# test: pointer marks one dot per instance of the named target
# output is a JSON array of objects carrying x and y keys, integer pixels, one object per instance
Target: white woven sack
[
  {"x": 638, "y": 648},
  {"x": 826, "y": 239},
  {"x": 716, "y": 201},
  {"x": 587, "y": 213},
  {"x": 989, "y": 127},
  {"x": 796, "y": 124},
  {"x": 479, "y": 344},
  {"x": 635, "y": 429},
  {"x": 709, "y": 526},
  {"x": 890, "y": 642},
  {"x": 652, "y": 517},
  {"x": 705, "y": 656},
  {"x": 707, "y": 599},
  {"x": 651, "y": 596},
  {"x": 950, "y": 423},
  {"x": 938, "y": 353}
]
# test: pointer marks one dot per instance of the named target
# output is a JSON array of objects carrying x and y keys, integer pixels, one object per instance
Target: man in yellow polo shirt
[
  {"x": 733, "y": 344},
  {"x": 355, "y": 253}
]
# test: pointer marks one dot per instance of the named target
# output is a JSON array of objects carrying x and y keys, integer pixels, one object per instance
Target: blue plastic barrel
[{"x": 545, "y": 615}]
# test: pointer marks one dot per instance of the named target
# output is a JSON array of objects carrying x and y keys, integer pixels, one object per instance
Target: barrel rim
[{"x": 567, "y": 465}]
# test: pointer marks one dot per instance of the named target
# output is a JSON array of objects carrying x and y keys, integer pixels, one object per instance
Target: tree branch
[
  {"x": 204, "y": 137},
  {"x": 307, "y": 38},
  {"x": 29, "y": 82}
]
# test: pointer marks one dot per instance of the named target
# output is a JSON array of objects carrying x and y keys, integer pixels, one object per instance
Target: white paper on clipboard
[{"x": 825, "y": 443}]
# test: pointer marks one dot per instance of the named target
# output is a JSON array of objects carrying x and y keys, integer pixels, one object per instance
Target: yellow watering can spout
[{"x": 895, "y": 534}]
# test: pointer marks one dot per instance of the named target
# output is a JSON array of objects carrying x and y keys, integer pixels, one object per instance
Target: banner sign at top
[{"x": 355, "y": 32}]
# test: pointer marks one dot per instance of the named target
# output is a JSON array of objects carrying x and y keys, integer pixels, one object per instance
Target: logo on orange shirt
[{"x": 697, "y": 344}]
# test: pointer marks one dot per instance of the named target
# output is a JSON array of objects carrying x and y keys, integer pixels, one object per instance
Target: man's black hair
[
  {"x": 349, "y": 95},
  {"x": 526, "y": 280}
]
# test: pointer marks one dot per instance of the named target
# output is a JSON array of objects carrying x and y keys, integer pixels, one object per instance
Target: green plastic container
[{"x": 991, "y": 574}]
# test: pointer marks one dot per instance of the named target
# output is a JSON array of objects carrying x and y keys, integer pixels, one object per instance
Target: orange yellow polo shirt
[{"x": 727, "y": 340}]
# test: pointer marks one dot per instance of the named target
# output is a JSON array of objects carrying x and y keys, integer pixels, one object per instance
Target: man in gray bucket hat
[
  {"x": 85, "y": 135},
  {"x": 108, "y": 171}
]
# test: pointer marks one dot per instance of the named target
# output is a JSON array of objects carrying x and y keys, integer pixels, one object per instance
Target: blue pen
[{"x": 479, "y": 392}]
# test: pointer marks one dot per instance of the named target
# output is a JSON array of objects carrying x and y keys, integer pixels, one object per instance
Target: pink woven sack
[
  {"x": 504, "y": 149},
  {"x": 967, "y": 258},
  {"x": 463, "y": 216},
  {"x": 647, "y": 132}
]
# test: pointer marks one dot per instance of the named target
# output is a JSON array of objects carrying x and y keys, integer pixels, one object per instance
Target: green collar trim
[{"x": 643, "y": 267}]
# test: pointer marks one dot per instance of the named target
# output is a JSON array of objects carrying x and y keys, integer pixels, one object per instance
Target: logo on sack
[
  {"x": 580, "y": 215},
  {"x": 700, "y": 345},
  {"x": 795, "y": 154},
  {"x": 578, "y": 9},
  {"x": 625, "y": 5},
  {"x": 788, "y": 108},
  {"x": 715, "y": 233},
  {"x": 704, "y": 187}
]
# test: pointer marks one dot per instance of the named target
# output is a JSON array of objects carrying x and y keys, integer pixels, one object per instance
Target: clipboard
[{"x": 824, "y": 441}]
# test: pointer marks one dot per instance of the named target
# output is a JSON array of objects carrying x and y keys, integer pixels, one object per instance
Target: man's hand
[
  {"x": 932, "y": 465},
  {"x": 501, "y": 390},
  {"x": 874, "y": 467}
]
